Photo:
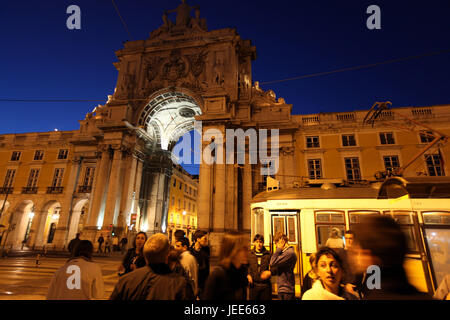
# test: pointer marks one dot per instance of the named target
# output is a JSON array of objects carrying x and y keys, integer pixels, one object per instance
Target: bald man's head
[{"x": 156, "y": 249}]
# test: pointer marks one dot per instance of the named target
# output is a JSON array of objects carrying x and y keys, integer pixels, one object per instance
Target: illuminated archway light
[{"x": 169, "y": 116}]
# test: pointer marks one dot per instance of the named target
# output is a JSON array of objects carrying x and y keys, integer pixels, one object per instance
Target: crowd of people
[{"x": 153, "y": 269}]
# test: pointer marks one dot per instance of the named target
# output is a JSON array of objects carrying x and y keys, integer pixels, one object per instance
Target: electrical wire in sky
[
  {"x": 121, "y": 19},
  {"x": 261, "y": 83},
  {"x": 357, "y": 67}
]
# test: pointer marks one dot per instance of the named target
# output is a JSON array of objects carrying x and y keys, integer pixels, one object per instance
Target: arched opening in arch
[
  {"x": 168, "y": 116},
  {"x": 21, "y": 221},
  {"x": 79, "y": 214},
  {"x": 168, "y": 119},
  {"x": 4, "y": 219},
  {"x": 50, "y": 215}
]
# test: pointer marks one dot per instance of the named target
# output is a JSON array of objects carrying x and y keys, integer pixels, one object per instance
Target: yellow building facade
[
  {"x": 183, "y": 205},
  {"x": 338, "y": 148},
  {"x": 35, "y": 187}
]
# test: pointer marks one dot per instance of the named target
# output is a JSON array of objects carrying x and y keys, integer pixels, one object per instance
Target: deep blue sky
[{"x": 41, "y": 59}]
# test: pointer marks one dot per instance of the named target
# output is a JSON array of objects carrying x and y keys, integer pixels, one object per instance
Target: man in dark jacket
[
  {"x": 381, "y": 245},
  {"x": 258, "y": 271},
  {"x": 155, "y": 281},
  {"x": 73, "y": 243},
  {"x": 282, "y": 265},
  {"x": 200, "y": 250}
]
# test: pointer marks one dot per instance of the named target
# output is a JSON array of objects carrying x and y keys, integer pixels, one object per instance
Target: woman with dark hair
[
  {"x": 135, "y": 256},
  {"x": 79, "y": 278},
  {"x": 229, "y": 280},
  {"x": 330, "y": 273}
]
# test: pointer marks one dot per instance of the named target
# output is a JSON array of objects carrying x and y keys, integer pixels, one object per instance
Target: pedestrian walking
[
  {"x": 282, "y": 264},
  {"x": 108, "y": 245},
  {"x": 330, "y": 274},
  {"x": 258, "y": 271},
  {"x": 100, "y": 242},
  {"x": 115, "y": 244},
  {"x": 80, "y": 278},
  {"x": 188, "y": 261},
  {"x": 38, "y": 258},
  {"x": 123, "y": 244},
  {"x": 201, "y": 251},
  {"x": 381, "y": 242},
  {"x": 155, "y": 281},
  {"x": 229, "y": 280},
  {"x": 73, "y": 243},
  {"x": 135, "y": 256}
]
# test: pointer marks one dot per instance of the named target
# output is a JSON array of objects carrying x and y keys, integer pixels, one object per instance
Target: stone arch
[
  {"x": 4, "y": 220},
  {"x": 21, "y": 219},
  {"x": 78, "y": 209},
  {"x": 169, "y": 114},
  {"x": 47, "y": 223}
]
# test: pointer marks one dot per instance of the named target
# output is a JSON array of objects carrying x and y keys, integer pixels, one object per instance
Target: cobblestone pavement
[{"x": 21, "y": 279}]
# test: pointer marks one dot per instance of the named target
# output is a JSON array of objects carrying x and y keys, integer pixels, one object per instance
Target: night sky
[{"x": 41, "y": 59}]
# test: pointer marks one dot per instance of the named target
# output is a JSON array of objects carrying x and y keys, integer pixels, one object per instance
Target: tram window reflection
[
  {"x": 330, "y": 228},
  {"x": 438, "y": 241},
  {"x": 405, "y": 219}
]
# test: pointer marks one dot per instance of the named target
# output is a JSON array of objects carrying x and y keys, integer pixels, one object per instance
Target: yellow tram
[{"x": 306, "y": 215}]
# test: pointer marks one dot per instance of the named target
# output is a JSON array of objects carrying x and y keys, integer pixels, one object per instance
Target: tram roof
[
  {"x": 415, "y": 187},
  {"x": 391, "y": 188},
  {"x": 318, "y": 193}
]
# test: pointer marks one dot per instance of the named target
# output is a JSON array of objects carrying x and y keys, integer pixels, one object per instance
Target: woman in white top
[{"x": 330, "y": 273}]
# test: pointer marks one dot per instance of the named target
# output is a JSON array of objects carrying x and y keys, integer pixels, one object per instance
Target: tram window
[
  {"x": 436, "y": 217},
  {"x": 258, "y": 220},
  {"x": 291, "y": 234},
  {"x": 355, "y": 217},
  {"x": 330, "y": 217},
  {"x": 439, "y": 246},
  {"x": 324, "y": 236},
  {"x": 405, "y": 219},
  {"x": 410, "y": 239},
  {"x": 278, "y": 225}
]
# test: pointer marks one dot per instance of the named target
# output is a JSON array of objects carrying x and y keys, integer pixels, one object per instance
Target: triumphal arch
[{"x": 182, "y": 73}]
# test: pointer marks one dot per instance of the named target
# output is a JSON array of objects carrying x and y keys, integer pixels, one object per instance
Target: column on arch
[{"x": 114, "y": 190}]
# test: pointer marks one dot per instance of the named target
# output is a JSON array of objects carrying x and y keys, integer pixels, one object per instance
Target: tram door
[{"x": 288, "y": 222}]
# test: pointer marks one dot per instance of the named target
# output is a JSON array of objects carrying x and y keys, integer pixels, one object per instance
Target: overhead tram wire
[
  {"x": 121, "y": 19},
  {"x": 261, "y": 83},
  {"x": 357, "y": 67}
]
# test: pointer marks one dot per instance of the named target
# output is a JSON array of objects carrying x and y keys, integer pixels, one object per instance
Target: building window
[
  {"x": 181, "y": 185},
  {"x": 352, "y": 169},
  {"x": 387, "y": 138},
  {"x": 314, "y": 169},
  {"x": 9, "y": 178},
  {"x": 190, "y": 190},
  {"x": 185, "y": 188},
  {"x": 348, "y": 140},
  {"x": 312, "y": 142},
  {"x": 15, "y": 156},
  {"x": 62, "y": 154},
  {"x": 33, "y": 178},
  {"x": 193, "y": 208},
  {"x": 58, "y": 177},
  {"x": 39, "y": 155},
  {"x": 179, "y": 204},
  {"x": 426, "y": 136},
  {"x": 434, "y": 165},
  {"x": 89, "y": 176},
  {"x": 173, "y": 201},
  {"x": 174, "y": 182},
  {"x": 391, "y": 162}
]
